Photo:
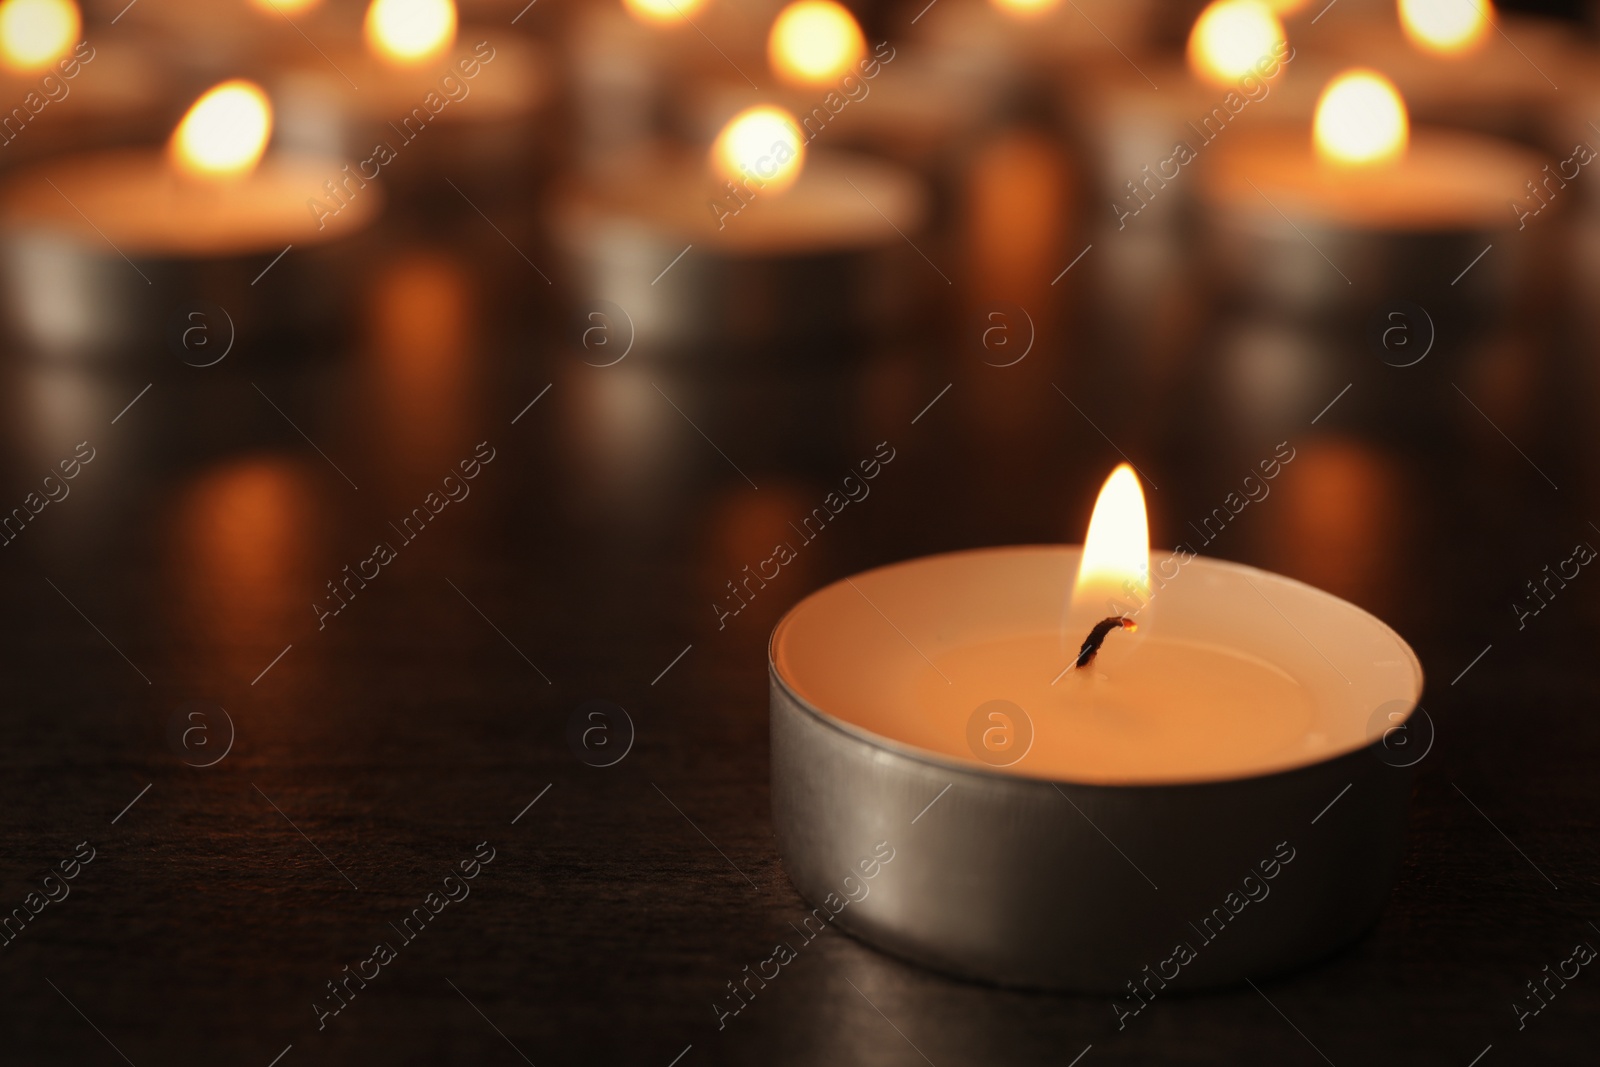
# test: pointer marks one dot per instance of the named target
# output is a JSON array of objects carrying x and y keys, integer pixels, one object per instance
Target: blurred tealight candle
[
  {"x": 410, "y": 32},
  {"x": 1446, "y": 27},
  {"x": 87, "y": 234},
  {"x": 1365, "y": 206},
  {"x": 741, "y": 216},
  {"x": 36, "y": 33},
  {"x": 1230, "y": 38},
  {"x": 815, "y": 42}
]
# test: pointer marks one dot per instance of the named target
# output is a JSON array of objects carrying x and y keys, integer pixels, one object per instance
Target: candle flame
[
  {"x": 1361, "y": 120},
  {"x": 408, "y": 32},
  {"x": 1025, "y": 8},
  {"x": 225, "y": 132},
  {"x": 814, "y": 41},
  {"x": 1231, "y": 37},
  {"x": 1116, "y": 550},
  {"x": 761, "y": 144},
  {"x": 664, "y": 12},
  {"x": 285, "y": 7},
  {"x": 36, "y": 33},
  {"x": 1446, "y": 27}
]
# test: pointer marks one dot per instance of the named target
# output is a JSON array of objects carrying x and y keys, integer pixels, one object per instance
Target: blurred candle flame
[
  {"x": 761, "y": 144},
  {"x": 407, "y": 32},
  {"x": 1360, "y": 120},
  {"x": 1116, "y": 550},
  {"x": 665, "y": 12},
  {"x": 35, "y": 33},
  {"x": 1445, "y": 27},
  {"x": 285, "y": 7},
  {"x": 225, "y": 132},
  {"x": 1231, "y": 37},
  {"x": 1025, "y": 8},
  {"x": 814, "y": 42}
]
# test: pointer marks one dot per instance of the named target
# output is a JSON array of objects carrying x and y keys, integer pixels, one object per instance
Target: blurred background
[{"x": 576, "y": 308}]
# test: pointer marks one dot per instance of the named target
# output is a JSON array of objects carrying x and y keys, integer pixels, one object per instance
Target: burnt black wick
[{"x": 1097, "y": 636}]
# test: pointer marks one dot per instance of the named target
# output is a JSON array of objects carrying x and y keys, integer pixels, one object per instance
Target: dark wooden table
[{"x": 163, "y": 610}]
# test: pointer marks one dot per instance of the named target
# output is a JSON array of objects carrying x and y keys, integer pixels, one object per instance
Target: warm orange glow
[
  {"x": 1116, "y": 550},
  {"x": 1447, "y": 27},
  {"x": 665, "y": 12},
  {"x": 1231, "y": 37},
  {"x": 762, "y": 145},
  {"x": 410, "y": 31},
  {"x": 814, "y": 42},
  {"x": 285, "y": 7},
  {"x": 1361, "y": 120},
  {"x": 225, "y": 132},
  {"x": 1025, "y": 7},
  {"x": 36, "y": 33},
  {"x": 1286, "y": 7}
]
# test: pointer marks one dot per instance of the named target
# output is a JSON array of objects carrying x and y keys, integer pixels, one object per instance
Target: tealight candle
[
  {"x": 204, "y": 196},
  {"x": 761, "y": 196},
  {"x": 1465, "y": 64},
  {"x": 1364, "y": 176},
  {"x": 1094, "y": 811},
  {"x": 424, "y": 85},
  {"x": 81, "y": 226}
]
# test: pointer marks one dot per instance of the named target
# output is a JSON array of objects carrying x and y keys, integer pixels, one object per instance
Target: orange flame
[
  {"x": 1361, "y": 120},
  {"x": 1116, "y": 550},
  {"x": 814, "y": 42},
  {"x": 225, "y": 132},
  {"x": 761, "y": 144},
  {"x": 408, "y": 32},
  {"x": 36, "y": 33},
  {"x": 1231, "y": 37},
  {"x": 1446, "y": 27}
]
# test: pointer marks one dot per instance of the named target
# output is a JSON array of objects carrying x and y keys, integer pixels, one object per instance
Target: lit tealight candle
[
  {"x": 751, "y": 206},
  {"x": 419, "y": 83},
  {"x": 1446, "y": 57},
  {"x": 815, "y": 42},
  {"x": 36, "y": 33},
  {"x": 81, "y": 225},
  {"x": 158, "y": 204},
  {"x": 1201, "y": 743},
  {"x": 1365, "y": 168}
]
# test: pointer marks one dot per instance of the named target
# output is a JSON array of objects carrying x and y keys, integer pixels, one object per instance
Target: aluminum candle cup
[{"x": 1219, "y": 796}]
